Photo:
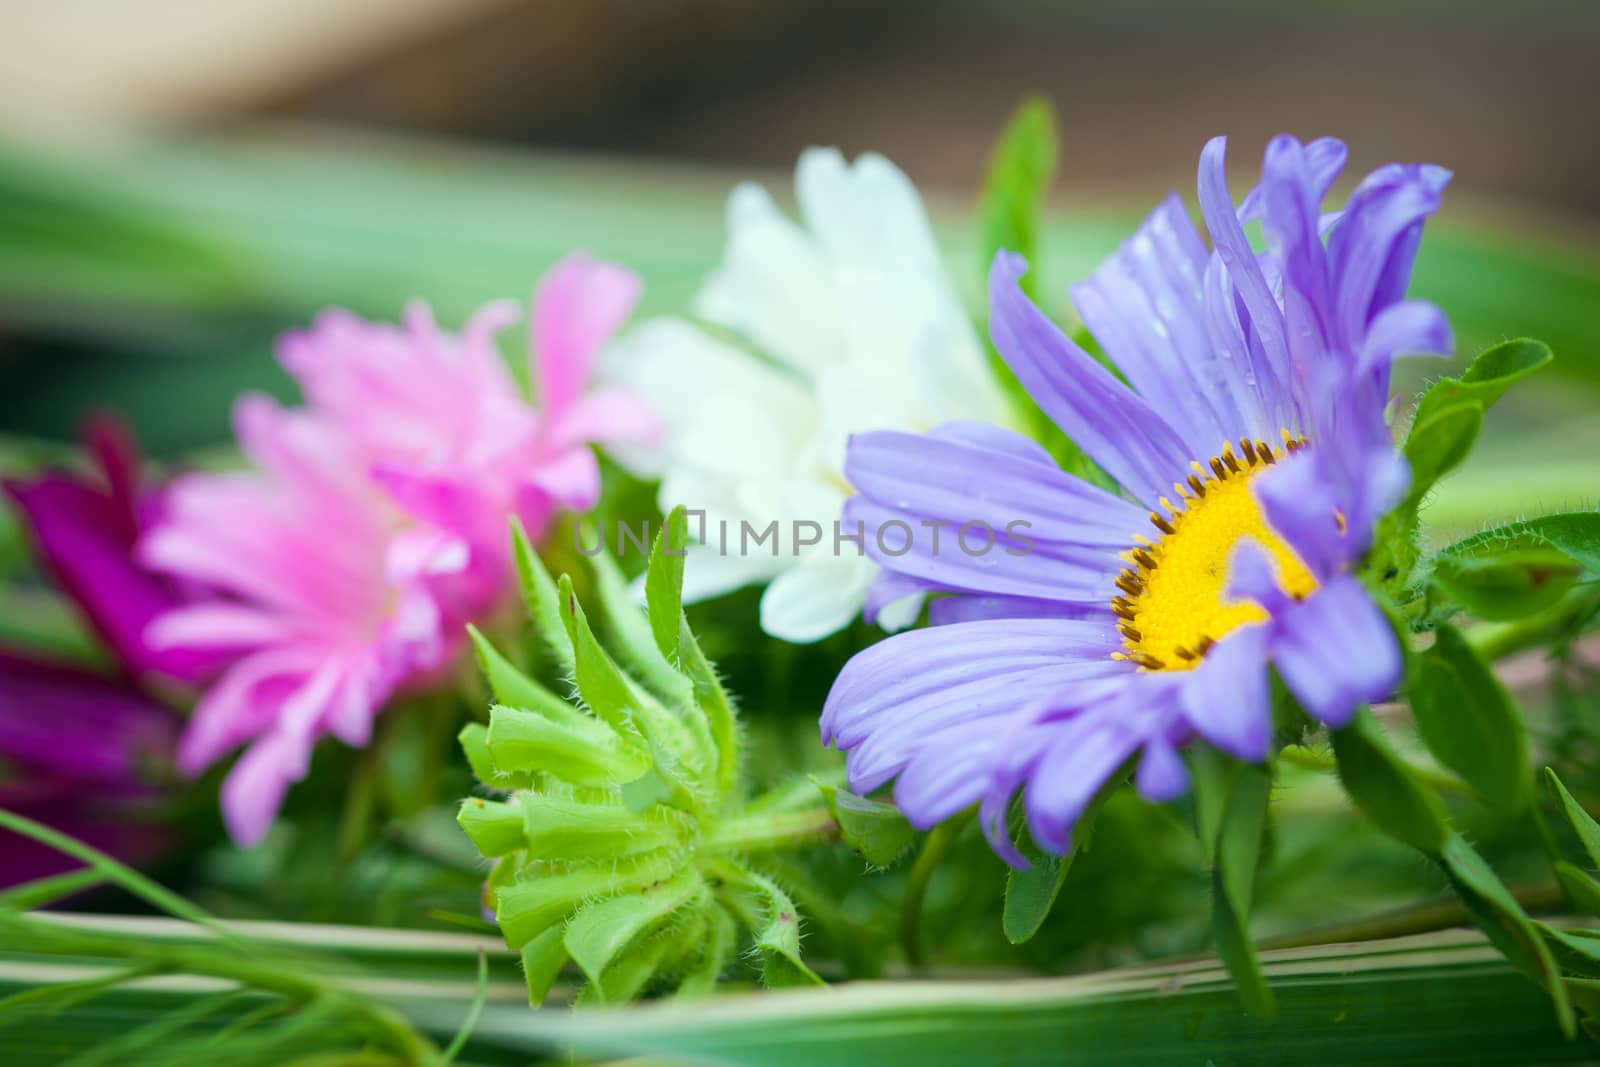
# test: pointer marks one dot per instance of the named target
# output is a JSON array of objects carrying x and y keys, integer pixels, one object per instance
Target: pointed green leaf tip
[
  {"x": 1450, "y": 413},
  {"x": 620, "y": 839},
  {"x": 664, "y": 584}
]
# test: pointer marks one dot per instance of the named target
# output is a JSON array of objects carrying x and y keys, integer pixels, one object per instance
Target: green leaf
[
  {"x": 1499, "y": 916},
  {"x": 778, "y": 940},
  {"x": 874, "y": 830},
  {"x": 604, "y": 929},
  {"x": 1583, "y": 825},
  {"x": 1020, "y": 171},
  {"x": 583, "y": 752},
  {"x": 1491, "y": 373},
  {"x": 1238, "y": 849},
  {"x": 609, "y": 693},
  {"x": 1575, "y": 534},
  {"x": 1513, "y": 584},
  {"x": 1031, "y": 893},
  {"x": 1470, "y": 722},
  {"x": 542, "y": 961},
  {"x": 1388, "y": 790},
  {"x": 540, "y": 596},
  {"x": 1580, "y": 887},
  {"x": 1437, "y": 444},
  {"x": 1451, "y": 1000},
  {"x": 633, "y": 636},
  {"x": 664, "y": 584}
]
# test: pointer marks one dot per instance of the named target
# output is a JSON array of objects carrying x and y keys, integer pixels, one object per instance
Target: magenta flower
[
  {"x": 1254, "y": 463},
  {"x": 85, "y": 529},
  {"x": 83, "y": 754},
  {"x": 372, "y": 525}
]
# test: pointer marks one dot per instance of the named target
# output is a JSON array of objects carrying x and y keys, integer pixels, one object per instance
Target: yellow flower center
[{"x": 1173, "y": 608}]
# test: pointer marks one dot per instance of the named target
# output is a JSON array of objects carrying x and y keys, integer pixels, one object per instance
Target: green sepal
[
  {"x": 542, "y": 961},
  {"x": 539, "y": 596},
  {"x": 877, "y": 832},
  {"x": 1386, "y": 789},
  {"x": 700, "y": 978},
  {"x": 530, "y": 905},
  {"x": 495, "y": 827},
  {"x": 474, "y": 740},
  {"x": 584, "y": 752},
  {"x": 1469, "y": 721},
  {"x": 603, "y": 930},
  {"x": 567, "y": 829}
]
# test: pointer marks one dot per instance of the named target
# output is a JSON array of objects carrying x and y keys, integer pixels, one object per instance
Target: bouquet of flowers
[{"x": 830, "y": 632}]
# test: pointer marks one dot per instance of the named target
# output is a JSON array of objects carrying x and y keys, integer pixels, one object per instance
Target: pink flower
[{"x": 373, "y": 525}]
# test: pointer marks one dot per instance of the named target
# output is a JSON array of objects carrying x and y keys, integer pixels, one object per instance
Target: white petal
[
  {"x": 773, "y": 287},
  {"x": 819, "y": 597}
]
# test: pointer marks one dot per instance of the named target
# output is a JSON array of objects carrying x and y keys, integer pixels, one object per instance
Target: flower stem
[
  {"x": 1422, "y": 919},
  {"x": 933, "y": 849},
  {"x": 784, "y": 831}
]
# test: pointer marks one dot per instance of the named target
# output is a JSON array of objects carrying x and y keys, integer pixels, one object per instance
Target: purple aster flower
[{"x": 1254, "y": 461}]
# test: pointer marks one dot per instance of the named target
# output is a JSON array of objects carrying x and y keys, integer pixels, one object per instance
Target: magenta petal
[
  {"x": 80, "y": 533},
  {"x": 254, "y": 790},
  {"x": 68, "y": 722}
]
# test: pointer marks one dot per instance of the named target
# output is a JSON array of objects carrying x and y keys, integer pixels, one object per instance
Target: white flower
[{"x": 860, "y": 329}]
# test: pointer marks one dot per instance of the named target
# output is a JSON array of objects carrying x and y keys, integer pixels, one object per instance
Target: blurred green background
[{"x": 177, "y": 187}]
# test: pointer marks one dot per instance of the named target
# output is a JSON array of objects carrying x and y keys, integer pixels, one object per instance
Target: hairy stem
[{"x": 782, "y": 831}]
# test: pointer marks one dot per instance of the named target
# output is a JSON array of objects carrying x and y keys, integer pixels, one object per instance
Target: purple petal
[
  {"x": 1013, "y": 565},
  {"x": 970, "y": 608},
  {"x": 950, "y": 480},
  {"x": 1243, "y": 269},
  {"x": 1226, "y": 698},
  {"x": 1374, "y": 243},
  {"x": 1303, "y": 504},
  {"x": 1337, "y": 651},
  {"x": 1084, "y": 752},
  {"x": 1145, "y": 305},
  {"x": 1408, "y": 327},
  {"x": 1161, "y": 776},
  {"x": 1113, "y": 425}
]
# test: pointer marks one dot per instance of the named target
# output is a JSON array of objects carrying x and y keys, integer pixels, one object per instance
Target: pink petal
[
  {"x": 577, "y": 307},
  {"x": 608, "y": 416}
]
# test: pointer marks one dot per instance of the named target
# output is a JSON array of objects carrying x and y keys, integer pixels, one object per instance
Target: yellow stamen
[{"x": 1173, "y": 608}]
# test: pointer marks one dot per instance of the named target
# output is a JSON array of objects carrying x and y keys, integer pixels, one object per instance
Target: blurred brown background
[{"x": 1504, "y": 93}]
